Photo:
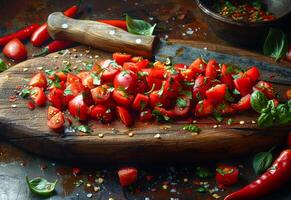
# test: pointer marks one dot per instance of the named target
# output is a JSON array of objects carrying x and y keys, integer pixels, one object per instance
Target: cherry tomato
[
  {"x": 127, "y": 176},
  {"x": 121, "y": 58},
  {"x": 56, "y": 97},
  {"x": 101, "y": 94},
  {"x": 122, "y": 98},
  {"x": 253, "y": 73},
  {"x": 182, "y": 107},
  {"x": 266, "y": 88},
  {"x": 57, "y": 121},
  {"x": 110, "y": 70},
  {"x": 78, "y": 108},
  {"x": 243, "y": 85},
  {"x": 52, "y": 111},
  {"x": 211, "y": 69},
  {"x": 124, "y": 116},
  {"x": 38, "y": 80},
  {"x": 226, "y": 175},
  {"x": 140, "y": 102},
  {"x": 146, "y": 115},
  {"x": 243, "y": 104},
  {"x": 204, "y": 108},
  {"x": 15, "y": 50},
  {"x": 38, "y": 96},
  {"x": 216, "y": 94},
  {"x": 126, "y": 79},
  {"x": 101, "y": 113},
  {"x": 288, "y": 94}
]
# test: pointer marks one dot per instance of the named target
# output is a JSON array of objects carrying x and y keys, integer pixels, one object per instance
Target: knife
[{"x": 112, "y": 39}]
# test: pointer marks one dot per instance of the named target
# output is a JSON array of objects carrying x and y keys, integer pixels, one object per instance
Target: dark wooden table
[{"x": 177, "y": 19}]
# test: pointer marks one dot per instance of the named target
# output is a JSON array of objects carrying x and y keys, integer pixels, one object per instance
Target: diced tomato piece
[
  {"x": 88, "y": 82},
  {"x": 253, "y": 73},
  {"x": 243, "y": 104},
  {"x": 199, "y": 65},
  {"x": 126, "y": 79},
  {"x": 56, "y": 97},
  {"x": 124, "y": 116},
  {"x": 146, "y": 115},
  {"x": 130, "y": 66},
  {"x": 121, "y": 58},
  {"x": 142, "y": 86},
  {"x": 101, "y": 113},
  {"x": 38, "y": 80},
  {"x": 110, "y": 70},
  {"x": 211, "y": 69},
  {"x": 156, "y": 76},
  {"x": 140, "y": 102},
  {"x": 71, "y": 78},
  {"x": 122, "y": 98},
  {"x": 142, "y": 64},
  {"x": 182, "y": 107},
  {"x": 159, "y": 65},
  {"x": 171, "y": 88},
  {"x": 52, "y": 111},
  {"x": 228, "y": 80},
  {"x": 168, "y": 113},
  {"x": 83, "y": 74},
  {"x": 30, "y": 105},
  {"x": 136, "y": 59},
  {"x": 227, "y": 70},
  {"x": 266, "y": 88},
  {"x": 57, "y": 121},
  {"x": 216, "y": 94},
  {"x": 226, "y": 175},
  {"x": 78, "y": 108},
  {"x": 62, "y": 76},
  {"x": 127, "y": 176},
  {"x": 288, "y": 94},
  {"x": 243, "y": 85},
  {"x": 158, "y": 100},
  {"x": 38, "y": 96},
  {"x": 72, "y": 90},
  {"x": 101, "y": 93},
  {"x": 204, "y": 108},
  {"x": 225, "y": 108}
]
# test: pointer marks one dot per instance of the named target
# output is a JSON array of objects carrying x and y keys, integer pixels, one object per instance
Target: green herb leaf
[
  {"x": 262, "y": 161},
  {"x": 139, "y": 27},
  {"x": 217, "y": 116},
  {"x": 258, "y": 101},
  {"x": 276, "y": 44},
  {"x": 203, "y": 172},
  {"x": 228, "y": 97},
  {"x": 41, "y": 186},
  {"x": 160, "y": 117},
  {"x": 202, "y": 189},
  {"x": 229, "y": 121},
  {"x": 83, "y": 128},
  {"x": 3, "y": 65},
  {"x": 222, "y": 172},
  {"x": 181, "y": 103},
  {"x": 265, "y": 120},
  {"x": 24, "y": 93},
  {"x": 68, "y": 91},
  {"x": 191, "y": 127},
  {"x": 161, "y": 91},
  {"x": 186, "y": 93},
  {"x": 96, "y": 78}
]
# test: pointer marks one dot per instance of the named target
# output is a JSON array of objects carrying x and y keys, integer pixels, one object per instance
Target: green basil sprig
[
  {"x": 262, "y": 161},
  {"x": 258, "y": 101},
  {"x": 3, "y": 66},
  {"x": 41, "y": 186},
  {"x": 139, "y": 27},
  {"x": 276, "y": 44}
]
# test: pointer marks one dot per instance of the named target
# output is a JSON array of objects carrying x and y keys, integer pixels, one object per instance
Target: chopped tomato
[
  {"x": 211, "y": 69},
  {"x": 101, "y": 94},
  {"x": 288, "y": 94},
  {"x": 88, "y": 82},
  {"x": 124, "y": 116},
  {"x": 182, "y": 107},
  {"x": 146, "y": 115},
  {"x": 38, "y": 96},
  {"x": 101, "y": 113},
  {"x": 15, "y": 50},
  {"x": 52, "y": 111},
  {"x": 243, "y": 85},
  {"x": 226, "y": 175},
  {"x": 156, "y": 77},
  {"x": 142, "y": 64},
  {"x": 127, "y": 176},
  {"x": 122, "y": 98},
  {"x": 168, "y": 113},
  {"x": 57, "y": 121},
  {"x": 253, "y": 73},
  {"x": 171, "y": 88},
  {"x": 71, "y": 78},
  {"x": 121, "y": 58},
  {"x": 243, "y": 104},
  {"x": 201, "y": 84},
  {"x": 38, "y": 80},
  {"x": 61, "y": 76},
  {"x": 228, "y": 80},
  {"x": 30, "y": 105},
  {"x": 126, "y": 79},
  {"x": 216, "y": 94},
  {"x": 157, "y": 100},
  {"x": 140, "y": 102},
  {"x": 78, "y": 108},
  {"x": 199, "y": 65},
  {"x": 204, "y": 108},
  {"x": 56, "y": 97},
  {"x": 130, "y": 66},
  {"x": 110, "y": 70},
  {"x": 266, "y": 88},
  {"x": 224, "y": 108}
]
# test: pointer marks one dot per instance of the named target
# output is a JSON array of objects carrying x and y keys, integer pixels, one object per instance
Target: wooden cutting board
[{"x": 28, "y": 129}]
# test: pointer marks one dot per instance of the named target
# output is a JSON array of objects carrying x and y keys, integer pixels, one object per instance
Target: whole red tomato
[{"x": 15, "y": 50}]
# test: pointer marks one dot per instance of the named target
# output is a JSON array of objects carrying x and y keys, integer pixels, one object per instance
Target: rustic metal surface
[{"x": 177, "y": 19}]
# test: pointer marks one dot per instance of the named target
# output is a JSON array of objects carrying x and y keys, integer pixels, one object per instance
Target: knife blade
[{"x": 112, "y": 39}]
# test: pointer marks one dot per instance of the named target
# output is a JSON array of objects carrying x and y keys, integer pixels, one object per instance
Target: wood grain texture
[
  {"x": 99, "y": 35},
  {"x": 28, "y": 129}
]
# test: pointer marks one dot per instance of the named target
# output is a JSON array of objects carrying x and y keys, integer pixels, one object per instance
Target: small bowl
[{"x": 243, "y": 33}]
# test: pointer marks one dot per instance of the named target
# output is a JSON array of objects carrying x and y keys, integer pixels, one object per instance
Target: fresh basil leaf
[
  {"x": 181, "y": 103},
  {"x": 139, "y": 27},
  {"x": 262, "y": 161},
  {"x": 276, "y": 44},
  {"x": 265, "y": 120},
  {"x": 24, "y": 93},
  {"x": 258, "y": 101},
  {"x": 217, "y": 116},
  {"x": 191, "y": 127},
  {"x": 3, "y": 65},
  {"x": 96, "y": 78},
  {"x": 83, "y": 128},
  {"x": 160, "y": 117},
  {"x": 41, "y": 186},
  {"x": 68, "y": 91},
  {"x": 228, "y": 97}
]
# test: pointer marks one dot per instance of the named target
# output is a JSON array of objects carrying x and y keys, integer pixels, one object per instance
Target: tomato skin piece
[
  {"x": 211, "y": 69},
  {"x": 253, "y": 73},
  {"x": 78, "y": 108},
  {"x": 127, "y": 176},
  {"x": 15, "y": 50},
  {"x": 38, "y": 96},
  {"x": 100, "y": 94},
  {"x": 146, "y": 115},
  {"x": 216, "y": 94},
  {"x": 243, "y": 85},
  {"x": 204, "y": 108},
  {"x": 52, "y": 111},
  {"x": 121, "y": 58},
  {"x": 57, "y": 121},
  {"x": 126, "y": 79},
  {"x": 243, "y": 104},
  {"x": 169, "y": 113},
  {"x": 183, "y": 111},
  {"x": 266, "y": 88},
  {"x": 122, "y": 98},
  {"x": 38, "y": 80},
  {"x": 124, "y": 116},
  {"x": 228, "y": 80},
  {"x": 229, "y": 176},
  {"x": 56, "y": 97},
  {"x": 140, "y": 102},
  {"x": 288, "y": 94}
]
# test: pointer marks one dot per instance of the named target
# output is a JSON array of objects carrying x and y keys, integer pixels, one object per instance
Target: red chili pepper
[
  {"x": 278, "y": 174},
  {"x": 54, "y": 46},
  {"x": 22, "y": 34},
  {"x": 115, "y": 22},
  {"x": 41, "y": 34}
]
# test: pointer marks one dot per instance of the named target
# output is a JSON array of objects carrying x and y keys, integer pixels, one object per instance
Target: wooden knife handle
[{"x": 99, "y": 35}]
